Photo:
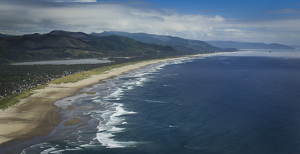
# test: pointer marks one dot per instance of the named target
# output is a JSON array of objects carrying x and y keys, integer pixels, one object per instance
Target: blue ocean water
[{"x": 245, "y": 102}]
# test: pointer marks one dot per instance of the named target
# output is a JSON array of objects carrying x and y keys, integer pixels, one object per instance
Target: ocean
[{"x": 239, "y": 103}]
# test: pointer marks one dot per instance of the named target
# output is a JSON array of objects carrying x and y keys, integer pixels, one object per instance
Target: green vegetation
[
  {"x": 86, "y": 74},
  {"x": 62, "y": 45},
  {"x": 100, "y": 70},
  {"x": 14, "y": 99},
  {"x": 4, "y": 103},
  {"x": 184, "y": 46},
  {"x": 14, "y": 79},
  {"x": 18, "y": 81}
]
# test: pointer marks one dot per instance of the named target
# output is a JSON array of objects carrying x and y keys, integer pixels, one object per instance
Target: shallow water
[{"x": 243, "y": 102}]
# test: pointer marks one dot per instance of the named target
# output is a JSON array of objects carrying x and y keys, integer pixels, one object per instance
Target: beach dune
[{"x": 37, "y": 115}]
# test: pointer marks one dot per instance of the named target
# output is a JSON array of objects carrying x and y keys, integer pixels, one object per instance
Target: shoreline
[{"x": 37, "y": 115}]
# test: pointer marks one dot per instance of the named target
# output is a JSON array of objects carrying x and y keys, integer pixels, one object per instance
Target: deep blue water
[{"x": 241, "y": 103}]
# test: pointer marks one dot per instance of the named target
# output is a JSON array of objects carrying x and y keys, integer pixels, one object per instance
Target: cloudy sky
[{"x": 268, "y": 21}]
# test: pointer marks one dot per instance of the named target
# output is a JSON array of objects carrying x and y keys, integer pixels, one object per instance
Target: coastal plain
[{"x": 37, "y": 115}]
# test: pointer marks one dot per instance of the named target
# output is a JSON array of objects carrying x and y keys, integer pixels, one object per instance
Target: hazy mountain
[
  {"x": 182, "y": 45},
  {"x": 296, "y": 46},
  {"x": 62, "y": 44},
  {"x": 247, "y": 45}
]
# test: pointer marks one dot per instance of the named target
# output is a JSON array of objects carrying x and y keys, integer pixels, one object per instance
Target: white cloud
[
  {"x": 232, "y": 30},
  {"x": 98, "y": 17}
]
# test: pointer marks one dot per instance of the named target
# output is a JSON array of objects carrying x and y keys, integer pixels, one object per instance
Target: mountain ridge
[
  {"x": 59, "y": 44},
  {"x": 180, "y": 44},
  {"x": 248, "y": 45}
]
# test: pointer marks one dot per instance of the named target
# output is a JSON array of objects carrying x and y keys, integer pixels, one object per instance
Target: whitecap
[
  {"x": 117, "y": 93},
  {"x": 139, "y": 83},
  {"x": 107, "y": 128},
  {"x": 49, "y": 150}
]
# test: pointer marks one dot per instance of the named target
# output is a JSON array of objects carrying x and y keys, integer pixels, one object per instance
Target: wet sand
[{"x": 37, "y": 115}]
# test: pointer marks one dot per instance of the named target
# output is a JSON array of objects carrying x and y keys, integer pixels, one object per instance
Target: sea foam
[{"x": 109, "y": 126}]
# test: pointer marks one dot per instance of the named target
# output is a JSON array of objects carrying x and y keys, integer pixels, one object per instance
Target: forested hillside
[
  {"x": 61, "y": 44},
  {"x": 64, "y": 45},
  {"x": 180, "y": 44}
]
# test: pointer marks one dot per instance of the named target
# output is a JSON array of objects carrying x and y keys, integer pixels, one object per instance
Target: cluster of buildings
[{"x": 31, "y": 81}]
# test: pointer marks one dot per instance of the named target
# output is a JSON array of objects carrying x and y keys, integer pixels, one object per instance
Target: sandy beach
[{"x": 37, "y": 115}]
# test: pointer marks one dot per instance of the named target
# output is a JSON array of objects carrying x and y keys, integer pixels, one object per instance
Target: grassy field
[
  {"x": 86, "y": 74},
  {"x": 6, "y": 102},
  {"x": 14, "y": 99}
]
